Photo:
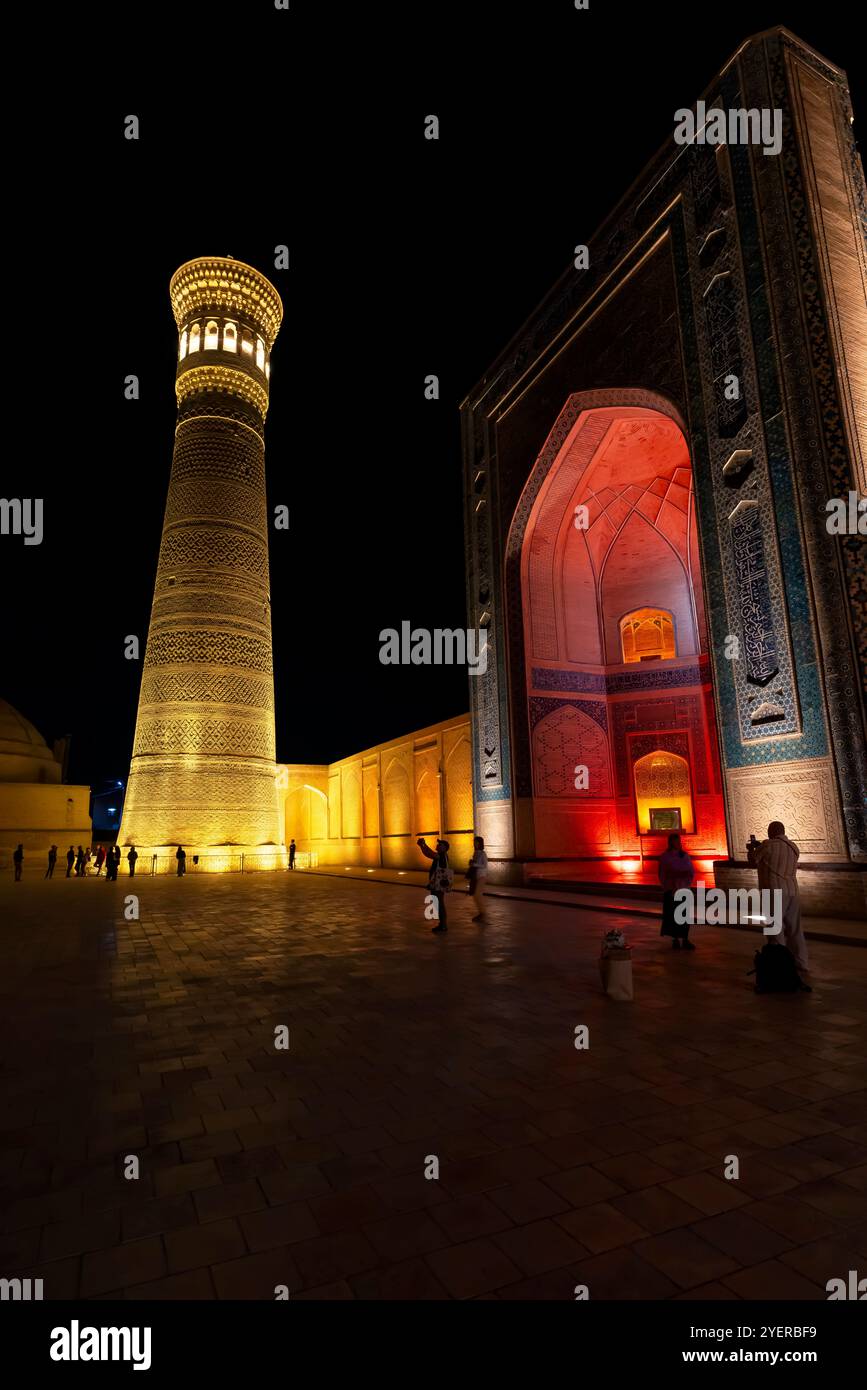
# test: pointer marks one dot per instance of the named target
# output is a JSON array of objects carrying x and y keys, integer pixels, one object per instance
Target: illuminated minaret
[{"x": 203, "y": 772}]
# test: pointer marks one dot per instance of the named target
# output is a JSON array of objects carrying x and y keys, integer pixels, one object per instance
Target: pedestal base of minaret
[{"x": 208, "y": 859}]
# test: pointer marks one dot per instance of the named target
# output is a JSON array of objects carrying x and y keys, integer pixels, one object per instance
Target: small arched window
[
  {"x": 260, "y": 354},
  {"x": 183, "y": 351},
  {"x": 212, "y": 335},
  {"x": 230, "y": 338},
  {"x": 267, "y": 370},
  {"x": 194, "y": 337},
  {"x": 647, "y": 634},
  {"x": 247, "y": 342}
]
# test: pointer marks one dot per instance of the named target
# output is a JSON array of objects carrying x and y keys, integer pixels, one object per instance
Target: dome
[{"x": 24, "y": 754}]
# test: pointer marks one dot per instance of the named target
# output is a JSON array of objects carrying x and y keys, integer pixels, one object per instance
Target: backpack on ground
[{"x": 775, "y": 971}]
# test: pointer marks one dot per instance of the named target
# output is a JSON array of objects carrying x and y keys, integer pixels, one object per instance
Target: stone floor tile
[
  {"x": 539, "y": 1246},
  {"x": 477, "y": 1266},
  {"x": 139, "y": 1262},
  {"x": 257, "y": 1276},
  {"x": 657, "y": 1209},
  {"x": 684, "y": 1257},
  {"x": 773, "y": 1281},
  {"x": 601, "y": 1227},
  {"x": 707, "y": 1192}
]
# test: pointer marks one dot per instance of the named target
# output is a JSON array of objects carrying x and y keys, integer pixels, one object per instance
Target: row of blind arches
[{"x": 211, "y": 335}]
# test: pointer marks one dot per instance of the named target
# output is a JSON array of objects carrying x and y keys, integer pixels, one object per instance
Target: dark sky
[{"x": 407, "y": 257}]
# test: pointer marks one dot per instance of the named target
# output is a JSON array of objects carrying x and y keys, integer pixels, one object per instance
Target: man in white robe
[{"x": 777, "y": 863}]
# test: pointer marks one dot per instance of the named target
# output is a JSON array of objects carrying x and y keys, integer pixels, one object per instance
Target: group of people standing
[
  {"x": 776, "y": 861},
  {"x": 441, "y": 878},
  {"x": 82, "y": 862}
]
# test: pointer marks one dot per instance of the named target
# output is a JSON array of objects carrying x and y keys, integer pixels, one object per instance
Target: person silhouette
[
  {"x": 777, "y": 864},
  {"x": 70, "y": 860},
  {"x": 18, "y": 861},
  {"x": 52, "y": 860},
  {"x": 181, "y": 857},
  {"x": 439, "y": 879},
  {"x": 131, "y": 860},
  {"x": 675, "y": 871}
]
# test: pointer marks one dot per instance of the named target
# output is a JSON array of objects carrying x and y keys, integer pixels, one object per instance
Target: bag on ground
[
  {"x": 775, "y": 970},
  {"x": 615, "y": 969}
]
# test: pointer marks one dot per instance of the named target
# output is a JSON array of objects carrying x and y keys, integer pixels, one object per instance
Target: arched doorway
[{"x": 604, "y": 560}]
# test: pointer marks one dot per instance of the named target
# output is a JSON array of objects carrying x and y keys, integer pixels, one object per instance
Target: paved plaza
[{"x": 261, "y": 1167}]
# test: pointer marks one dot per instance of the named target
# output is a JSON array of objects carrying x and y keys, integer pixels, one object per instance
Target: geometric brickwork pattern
[
  {"x": 564, "y": 741},
  {"x": 190, "y": 732},
  {"x": 541, "y": 706},
  {"x": 222, "y": 452},
  {"x": 661, "y": 776},
  {"x": 224, "y": 688},
  {"x": 229, "y": 499},
  {"x": 192, "y": 597},
  {"x": 203, "y": 768},
  {"x": 206, "y": 548},
  {"x": 223, "y": 802},
  {"x": 544, "y": 678},
  {"x": 211, "y": 648}
]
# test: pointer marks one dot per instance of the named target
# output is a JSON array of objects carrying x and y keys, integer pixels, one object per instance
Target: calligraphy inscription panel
[{"x": 756, "y": 609}]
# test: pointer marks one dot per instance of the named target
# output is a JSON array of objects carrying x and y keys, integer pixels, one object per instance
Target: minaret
[{"x": 203, "y": 772}]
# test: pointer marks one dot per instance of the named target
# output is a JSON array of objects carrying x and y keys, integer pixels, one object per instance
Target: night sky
[{"x": 407, "y": 257}]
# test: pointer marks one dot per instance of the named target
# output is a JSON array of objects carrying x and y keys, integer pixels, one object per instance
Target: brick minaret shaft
[{"x": 203, "y": 771}]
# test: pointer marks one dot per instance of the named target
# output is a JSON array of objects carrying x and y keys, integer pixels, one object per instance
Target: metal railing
[{"x": 231, "y": 862}]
